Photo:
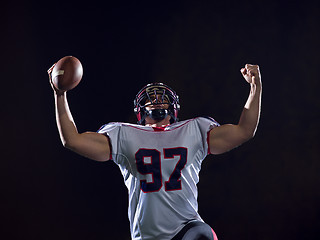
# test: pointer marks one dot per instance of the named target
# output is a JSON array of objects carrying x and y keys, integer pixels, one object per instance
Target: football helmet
[{"x": 156, "y": 94}]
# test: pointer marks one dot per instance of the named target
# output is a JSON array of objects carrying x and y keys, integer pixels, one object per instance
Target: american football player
[{"x": 160, "y": 157}]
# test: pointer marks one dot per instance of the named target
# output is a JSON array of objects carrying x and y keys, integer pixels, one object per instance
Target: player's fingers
[
  {"x": 243, "y": 71},
  {"x": 252, "y": 67},
  {"x": 49, "y": 71},
  {"x": 50, "y": 80}
]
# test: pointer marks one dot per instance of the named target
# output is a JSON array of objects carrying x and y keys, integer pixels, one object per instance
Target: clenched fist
[{"x": 251, "y": 74}]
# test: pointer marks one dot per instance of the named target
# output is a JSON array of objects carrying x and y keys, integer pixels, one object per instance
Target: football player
[{"x": 160, "y": 157}]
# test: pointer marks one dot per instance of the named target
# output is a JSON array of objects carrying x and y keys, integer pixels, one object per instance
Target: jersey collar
[{"x": 160, "y": 129}]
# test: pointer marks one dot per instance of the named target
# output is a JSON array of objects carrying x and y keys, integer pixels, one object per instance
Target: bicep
[
  {"x": 226, "y": 137},
  {"x": 92, "y": 145}
]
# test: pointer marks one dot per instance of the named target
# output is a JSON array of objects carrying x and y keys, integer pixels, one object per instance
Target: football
[{"x": 67, "y": 73}]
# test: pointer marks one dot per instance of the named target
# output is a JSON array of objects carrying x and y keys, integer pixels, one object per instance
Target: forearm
[
  {"x": 65, "y": 123},
  {"x": 229, "y": 136},
  {"x": 251, "y": 113}
]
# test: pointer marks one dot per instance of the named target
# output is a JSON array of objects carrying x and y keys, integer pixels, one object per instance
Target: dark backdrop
[{"x": 266, "y": 189}]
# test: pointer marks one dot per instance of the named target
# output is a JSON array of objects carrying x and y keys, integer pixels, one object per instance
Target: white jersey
[{"x": 160, "y": 168}]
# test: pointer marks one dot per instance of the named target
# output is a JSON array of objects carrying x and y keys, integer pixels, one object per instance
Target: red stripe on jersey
[
  {"x": 214, "y": 235},
  {"x": 110, "y": 146},
  {"x": 153, "y": 130}
]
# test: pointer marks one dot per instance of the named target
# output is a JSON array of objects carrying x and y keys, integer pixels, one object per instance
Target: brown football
[{"x": 67, "y": 73}]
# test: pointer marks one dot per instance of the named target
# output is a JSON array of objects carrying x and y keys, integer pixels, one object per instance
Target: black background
[{"x": 266, "y": 189}]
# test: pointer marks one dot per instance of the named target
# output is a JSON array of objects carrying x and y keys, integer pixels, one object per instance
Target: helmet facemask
[{"x": 156, "y": 94}]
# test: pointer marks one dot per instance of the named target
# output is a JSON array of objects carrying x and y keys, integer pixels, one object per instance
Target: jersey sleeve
[
  {"x": 206, "y": 124},
  {"x": 111, "y": 130}
]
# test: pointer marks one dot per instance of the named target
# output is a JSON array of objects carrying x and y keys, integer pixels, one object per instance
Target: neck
[{"x": 154, "y": 123}]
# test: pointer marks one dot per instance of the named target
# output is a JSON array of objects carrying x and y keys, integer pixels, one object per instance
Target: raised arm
[
  {"x": 228, "y": 136},
  {"x": 89, "y": 144}
]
